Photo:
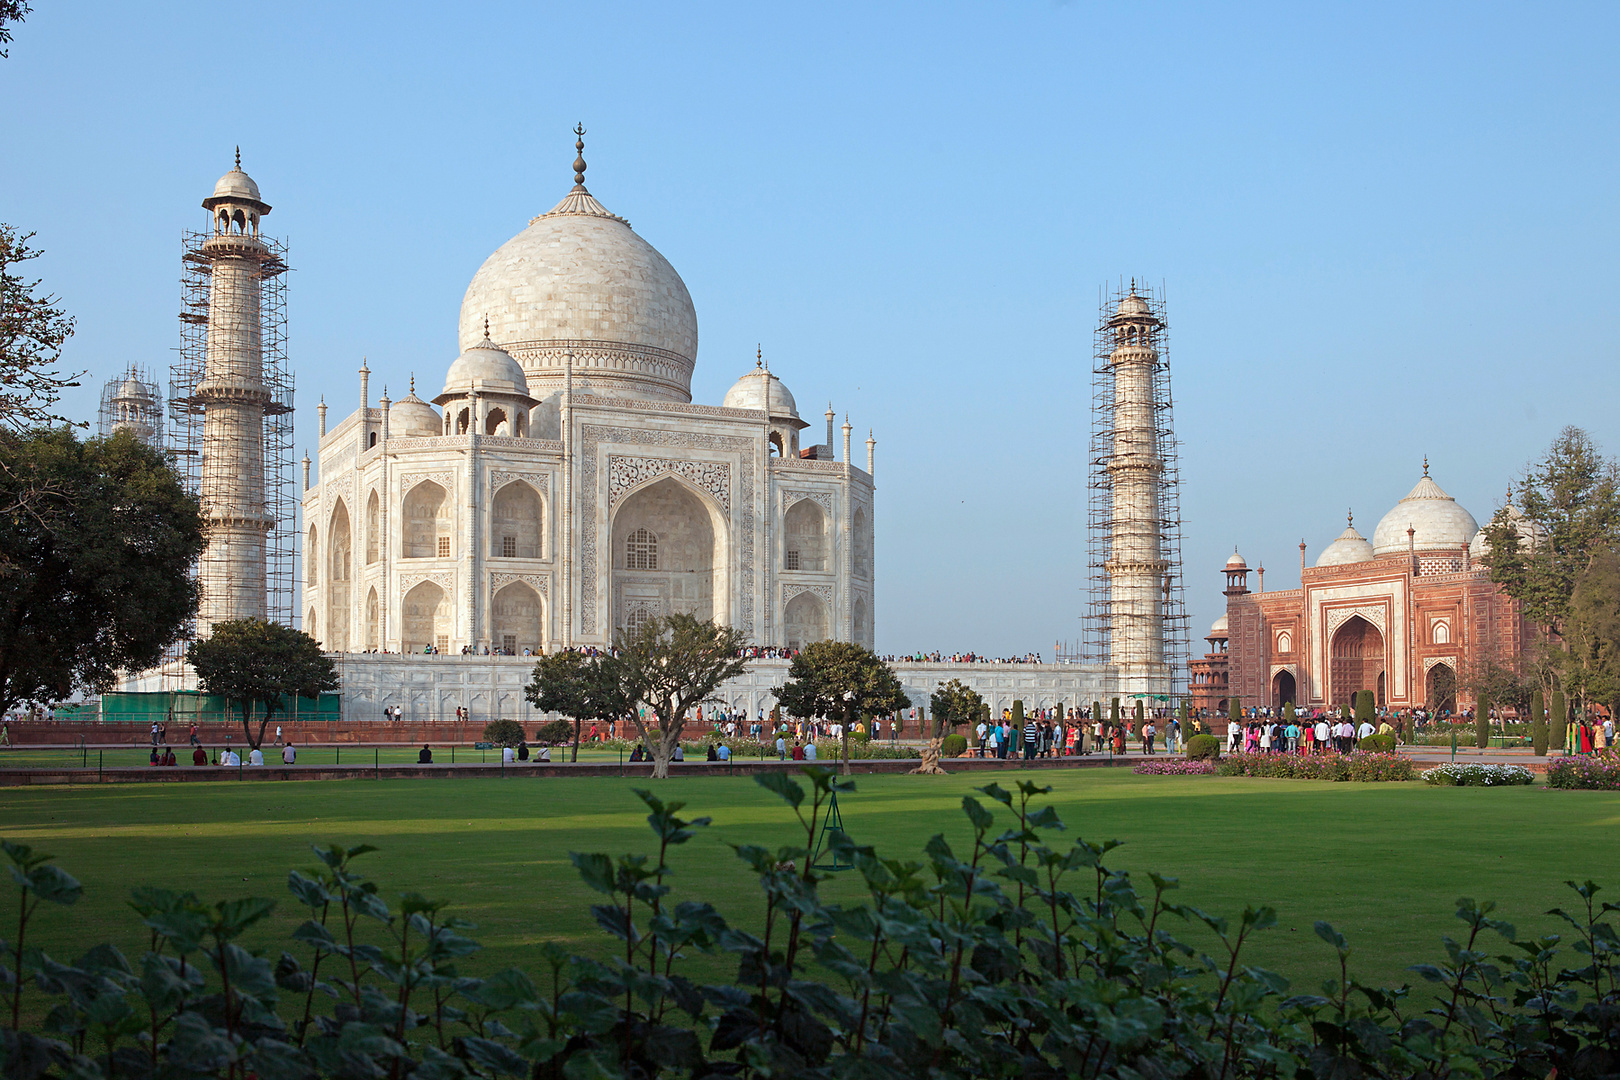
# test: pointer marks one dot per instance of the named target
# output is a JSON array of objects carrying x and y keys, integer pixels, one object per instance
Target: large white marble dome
[
  {"x": 579, "y": 278},
  {"x": 1438, "y": 522}
]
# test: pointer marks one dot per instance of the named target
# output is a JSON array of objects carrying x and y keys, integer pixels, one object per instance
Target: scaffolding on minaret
[
  {"x": 1134, "y": 533},
  {"x": 188, "y": 411}
]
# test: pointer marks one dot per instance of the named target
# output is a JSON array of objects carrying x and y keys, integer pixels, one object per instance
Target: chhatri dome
[
  {"x": 1350, "y": 547},
  {"x": 410, "y": 416},
  {"x": 1438, "y": 522},
  {"x": 759, "y": 389},
  {"x": 579, "y": 279},
  {"x": 1530, "y": 534},
  {"x": 236, "y": 186}
]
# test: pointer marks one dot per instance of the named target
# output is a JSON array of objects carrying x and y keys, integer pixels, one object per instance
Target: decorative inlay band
[
  {"x": 444, "y": 479},
  {"x": 625, "y": 473},
  {"x": 823, "y": 498},
  {"x": 447, "y": 578},
  {"x": 541, "y": 582},
  {"x": 823, "y": 591},
  {"x": 1337, "y": 617}
]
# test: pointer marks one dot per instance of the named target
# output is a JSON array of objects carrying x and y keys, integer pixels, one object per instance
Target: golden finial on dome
[
  {"x": 238, "y": 159},
  {"x": 413, "y": 384},
  {"x": 486, "y": 327},
  {"x": 579, "y": 155},
  {"x": 759, "y": 357},
  {"x": 1425, "y": 464},
  {"x": 1350, "y": 518}
]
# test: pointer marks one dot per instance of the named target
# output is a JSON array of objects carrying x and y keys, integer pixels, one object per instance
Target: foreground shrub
[
  {"x": 1476, "y": 774},
  {"x": 1588, "y": 773},
  {"x": 1203, "y": 747},
  {"x": 552, "y": 733},
  {"x": 953, "y": 746},
  {"x": 1378, "y": 744},
  {"x": 1340, "y": 767},
  {"x": 1010, "y": 957},
  {"x": 1175, "y": 767},
  {"x": 504, "y": 732}
]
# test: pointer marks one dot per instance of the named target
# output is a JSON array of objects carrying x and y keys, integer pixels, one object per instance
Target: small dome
[
  {"x": 1133, "y": 305},
  {"x": 759, "y": 389},
  {"x": 1439, "y": 524},
  {"x": 236, "y": 186},
  {"x": 1529, "y": 532},
  {"x": 132, "y": 390},
  {"x": 487, "y": 366},
  {"x": 1217, "y": 629},
  {"x": 1236, "y": 562},
  {"x": 411, "y": 416},
  {"x": 1349, "y": 547}
]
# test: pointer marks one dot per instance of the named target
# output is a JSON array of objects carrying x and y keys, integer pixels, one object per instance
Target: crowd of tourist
[{"x": 937, "y": 657}]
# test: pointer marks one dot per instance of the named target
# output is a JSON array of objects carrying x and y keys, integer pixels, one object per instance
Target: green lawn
[{"x": 1384, "y": 862}]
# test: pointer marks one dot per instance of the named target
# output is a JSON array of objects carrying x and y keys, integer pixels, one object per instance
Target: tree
[
  {"x": 11, "y": 11},
  {"x": 503, "y": 732},
  {"x": 843, "y": 680},
  {"x": 1572, "y": 498},
  {"x": 1592, "y": 632},
  {"x": 1539, "y": 735},
  {"x": 97, "y": 540},
  {"x": 32, "y": 331},
  {"x": 670, "y": 664},
  {"x": 1558, "y": 712},
  {"x": 583, "y": 688},
  {"x": 1482, "y": 722},
  {"x": 252, "y": 662},
  {"x": 953, "y": 705}
]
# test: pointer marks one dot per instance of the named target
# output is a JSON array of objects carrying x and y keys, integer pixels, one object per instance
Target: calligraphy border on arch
[
  {"x": 407, "y": 582},
  {"x": 1337, "y": 617},
  {"x": 445, "y": 479},
  {"x": 591, "y": 438},
  {"x": 791, "y": 591}
]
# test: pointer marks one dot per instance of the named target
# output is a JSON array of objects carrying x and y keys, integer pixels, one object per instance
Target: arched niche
[
  {"x": 687, "y": 536},
  {"x": 518, "y": 527},
  {"x": 807, "y": 620},
  {"x": 1283, "y": 689},
  {"x": 425, "y": 619},
  {"x": 1355, "y": 660},
  {"x": 311, "y": 625},
  {"x": 373, "y": 527},
  {"x": 517, "y": 619},
  {"x": 861, "y": 527},
  {"x": 312, "y": 558},
  {"x": 427, "y": 522},
  {"x": 804, "y": 529},
  {"x": 863, "y": 630},
  {"x": 496, "y": 422},
  {"x": 1440, "y": 689},
  {"x": 373, "y": 623},
  {"x": 339, "y": 554}
]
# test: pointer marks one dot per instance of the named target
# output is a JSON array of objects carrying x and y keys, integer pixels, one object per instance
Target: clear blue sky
[{"x": 1385, "y": 230}]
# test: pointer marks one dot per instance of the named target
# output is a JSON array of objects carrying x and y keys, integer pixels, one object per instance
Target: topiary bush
[
  {"x": 1558, "y": 721},
  {"x": 1203, "y": 747},
  {"x": 1378, "y": 744},
  {"x": 1482, "y": 722},
  {"x": 1540, "y": 737},
  {"x": 552, "y": 733},
  {"x": 953, "y": 746},
  {"x": 503, "y": 732}
]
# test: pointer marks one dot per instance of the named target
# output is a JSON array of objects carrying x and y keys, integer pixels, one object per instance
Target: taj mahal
[{"x": 563, "y": 485}]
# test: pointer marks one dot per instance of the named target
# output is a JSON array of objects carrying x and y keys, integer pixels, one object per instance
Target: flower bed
[
  {"x": 1175, "y": 767},
  {"x": 1338, "y": 767},
  {"x": 1585, "y": 773},
  {"x": 1469, "y": 774}
]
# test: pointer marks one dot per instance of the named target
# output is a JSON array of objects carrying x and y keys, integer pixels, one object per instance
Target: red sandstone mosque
[{"x": 1405, "y": 615}]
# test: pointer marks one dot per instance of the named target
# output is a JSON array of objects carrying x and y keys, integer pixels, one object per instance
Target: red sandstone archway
[
  {"x": 1355, "y": 661},
  {"x": 1283, "y": 690}
]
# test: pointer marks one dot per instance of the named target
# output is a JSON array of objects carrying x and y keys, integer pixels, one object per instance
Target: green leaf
[{"x": 783, "y": 785}]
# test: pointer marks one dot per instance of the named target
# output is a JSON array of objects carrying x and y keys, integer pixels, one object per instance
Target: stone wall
[{"x": 430, "y": 688}]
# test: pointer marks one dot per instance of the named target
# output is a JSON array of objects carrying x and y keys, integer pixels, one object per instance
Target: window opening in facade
[
  {"x": 641, "y": 551},
  {"x": 444, "y": 547},
  {"x": 508, "y": 547}
]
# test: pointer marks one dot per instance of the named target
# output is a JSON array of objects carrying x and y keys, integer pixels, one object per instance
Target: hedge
[
  {"x": 1378, "y": 744},
  {"x": 1203, "y": 747},
  {"x": 1339, "y": 767},
  {"x": 953, "y": 746}
]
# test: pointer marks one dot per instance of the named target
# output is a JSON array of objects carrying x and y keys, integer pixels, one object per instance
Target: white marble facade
[{"x": 563, "y": 485}]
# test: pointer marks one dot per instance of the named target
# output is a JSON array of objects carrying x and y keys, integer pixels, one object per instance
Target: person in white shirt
[
  {"x": 781, "y": 748},
  {"x": 230, "y": 758},
  {"x": 680, "y": 753},
  {"x": 981, "y": 729},
  {"x": 1321, "y": 736},
  {"x": 508, "y": 755},
  {"x": 255, "y": 756},
  {"x": 809, "y": 751},
  {"x": 1365, "y": 729},
  {"x": 288, "y": 754},
  {"x": 544, "y": 755}
]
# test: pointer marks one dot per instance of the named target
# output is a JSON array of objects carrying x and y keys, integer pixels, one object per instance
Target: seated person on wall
[
  {"x": 199, "y": 756},
  {"x": 680, "y": 754},
  {"x": 523, "y": 751},
  {"x": 288, "y": 754},
  {"x": 255, "y": 756},
  {"x": 722, "y": 752},
  {"x": 714, "y": 755},
  {"x": 639, "y": 753},
  {"x": 508, "y": 755},
  {"x": 809, "y": 751},
  {"x": 424, "y": 756},
  {"x": 168, "y": 757},
  {"x": 543, "y": 756},
  {"x": 154, "y": 759}
]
